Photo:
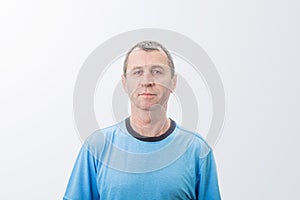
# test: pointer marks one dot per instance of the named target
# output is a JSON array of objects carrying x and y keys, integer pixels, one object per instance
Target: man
[{"x": 148, "y": 155}]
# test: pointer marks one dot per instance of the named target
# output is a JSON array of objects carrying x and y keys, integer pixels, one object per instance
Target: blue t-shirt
[{"x": 115, "y": 164}]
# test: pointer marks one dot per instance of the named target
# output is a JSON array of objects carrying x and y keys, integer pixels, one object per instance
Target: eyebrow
[
  {"x": 153, "y": 66},
  {"x": 157, "y": 66},
  {"x": 136, "y": 67}
]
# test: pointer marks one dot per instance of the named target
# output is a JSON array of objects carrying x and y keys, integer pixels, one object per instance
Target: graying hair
[{"x": 148, "y": 45}]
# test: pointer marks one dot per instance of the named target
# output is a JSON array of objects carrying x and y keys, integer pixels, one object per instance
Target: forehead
[{"x": 139, "y": 57}]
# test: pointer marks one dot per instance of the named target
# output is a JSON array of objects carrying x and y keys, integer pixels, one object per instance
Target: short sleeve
[
  {"x": 208, "y": 188},
  {"x": 82, "y": 183}
]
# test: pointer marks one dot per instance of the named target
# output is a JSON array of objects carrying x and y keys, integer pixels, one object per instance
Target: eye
[
  {"x": 156, "y": 72},
  {"x": 137, "y": 72}
]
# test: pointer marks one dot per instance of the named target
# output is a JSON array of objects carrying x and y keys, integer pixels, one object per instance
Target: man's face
[{"x": 148, "y": 80}]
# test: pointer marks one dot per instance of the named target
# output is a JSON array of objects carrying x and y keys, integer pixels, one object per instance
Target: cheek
[
  {"x": 131, "y": 86},
  {"x": 165, "y": 84}
]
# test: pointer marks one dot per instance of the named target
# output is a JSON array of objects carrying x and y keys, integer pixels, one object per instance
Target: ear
[
  {"x": 124, "y": 83},
  {"x": 173, "y": 83}
]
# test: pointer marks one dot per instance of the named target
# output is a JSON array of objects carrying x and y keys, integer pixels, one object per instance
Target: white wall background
[{"x": 255, "y": 46}]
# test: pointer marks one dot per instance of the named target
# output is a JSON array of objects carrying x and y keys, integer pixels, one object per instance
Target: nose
[
  {"x": 147, "y": 80},
  {"x": 150, "y": 84}
]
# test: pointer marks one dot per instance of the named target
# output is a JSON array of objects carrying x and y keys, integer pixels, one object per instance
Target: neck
[{"x": 150, "y": 123}]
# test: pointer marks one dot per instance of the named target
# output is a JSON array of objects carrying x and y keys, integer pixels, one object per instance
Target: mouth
[{"x": 146, "y": 94}]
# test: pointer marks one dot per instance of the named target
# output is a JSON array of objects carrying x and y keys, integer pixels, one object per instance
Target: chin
[
  {"x": 152, "y": 107},
  {"x": 146, "y": 107}
]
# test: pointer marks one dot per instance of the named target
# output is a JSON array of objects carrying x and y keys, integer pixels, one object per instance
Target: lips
[{"x": 147, "y": 94}]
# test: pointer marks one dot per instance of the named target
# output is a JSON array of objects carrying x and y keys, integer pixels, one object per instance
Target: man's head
[
  {"x": 149, "y": 75},
  {"x": 149, "y": 46}
]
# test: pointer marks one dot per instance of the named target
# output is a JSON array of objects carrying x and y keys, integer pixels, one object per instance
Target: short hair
[{"x": 149, "y": 45}]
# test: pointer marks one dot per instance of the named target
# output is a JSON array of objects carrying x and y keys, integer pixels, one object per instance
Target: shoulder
[
  {"x": 106, "y": 132},
  {"x": 99, "y": 139},
  {"x": 197, "y": 142}
]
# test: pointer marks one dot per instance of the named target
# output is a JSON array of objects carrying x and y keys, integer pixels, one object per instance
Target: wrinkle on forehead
[
  {"x": 140, "y": 57},
  {"x": 152, "y": 66}
]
